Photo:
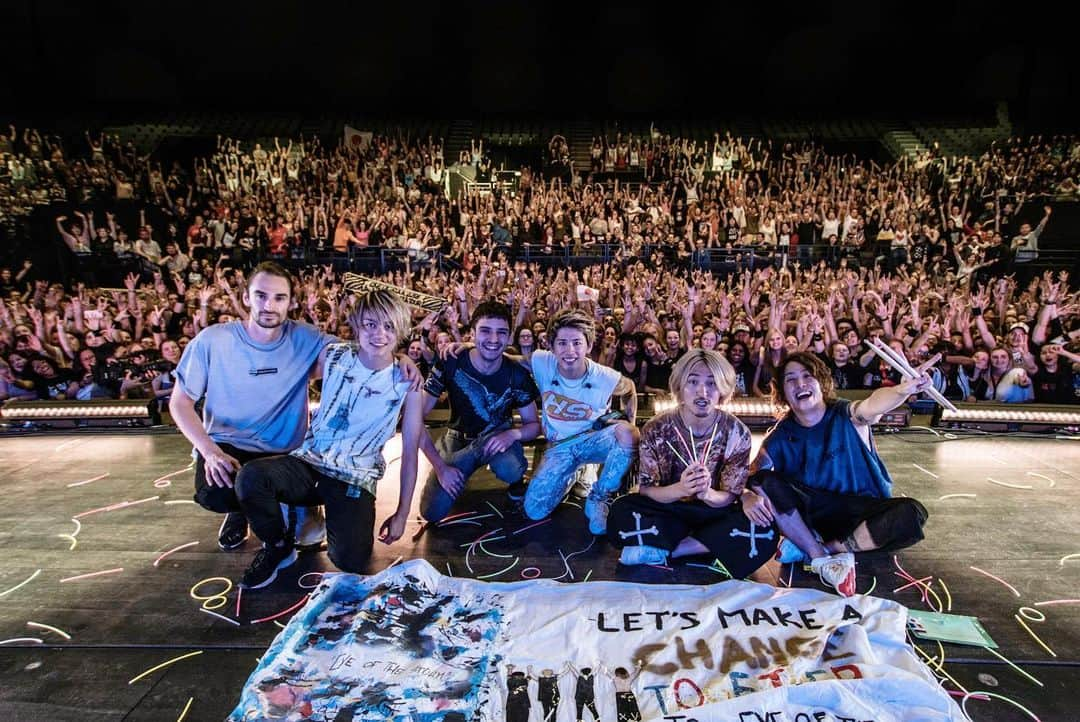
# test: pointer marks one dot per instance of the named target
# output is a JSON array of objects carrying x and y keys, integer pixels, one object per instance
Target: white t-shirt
[
  {"x": 571, "y": 407},
  {"x": 358, "y": 415},
  {"x": 830, "y": 228}
]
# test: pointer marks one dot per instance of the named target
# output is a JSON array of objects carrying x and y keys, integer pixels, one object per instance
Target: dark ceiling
[{"x": 831, "y": 58}]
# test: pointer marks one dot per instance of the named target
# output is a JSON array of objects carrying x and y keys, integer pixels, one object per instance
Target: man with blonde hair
[
  {"x": 692, "y": 478},
  {"x": 340, "y": 459}
]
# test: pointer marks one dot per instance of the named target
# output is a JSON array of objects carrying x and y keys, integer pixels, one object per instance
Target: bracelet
[{"x": 976, "y": 311}]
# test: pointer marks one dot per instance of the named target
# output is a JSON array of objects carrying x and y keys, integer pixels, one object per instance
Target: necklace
[
  {"x": 709, "y": 426},
  {"x": 566, "y": 382}
]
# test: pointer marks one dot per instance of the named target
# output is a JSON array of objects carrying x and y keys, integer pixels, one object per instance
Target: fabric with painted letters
[{"x": 412, "y": 644}]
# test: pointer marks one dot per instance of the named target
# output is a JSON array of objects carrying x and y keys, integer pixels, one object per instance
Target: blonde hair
[
  {"x": 385, "y": 306},
  {"x": 722, "y": 371},
  {"x": 575, "y": 319}
]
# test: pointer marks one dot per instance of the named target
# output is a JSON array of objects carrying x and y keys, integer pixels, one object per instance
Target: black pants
[
  {"x": 725, "y": 531},
  {"x": 583, "y": 703},
  {"x": 626, "y": 709},
  {"x": 350, "y": 511},
  {"x": 893, "y": 523},
  {"x": 217, "y": 498},
  {"x": 548, "y": 694}
]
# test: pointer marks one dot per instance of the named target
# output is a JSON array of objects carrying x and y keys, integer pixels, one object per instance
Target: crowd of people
[{"x": 931, "y": 256}]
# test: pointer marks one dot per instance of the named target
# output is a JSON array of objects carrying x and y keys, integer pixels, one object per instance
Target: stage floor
[{"x": 1004, "y": 504}]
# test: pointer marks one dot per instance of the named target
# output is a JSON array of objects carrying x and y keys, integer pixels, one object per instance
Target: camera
[{"x": 115, "y": 372}]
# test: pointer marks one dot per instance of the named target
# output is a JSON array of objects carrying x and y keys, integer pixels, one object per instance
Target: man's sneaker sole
[
  {"x": 826, "y": 569},
  {"x": 230, "y": 547},
  {"x": 225, "y": 547},
  {"x": 284, "y": 563}
]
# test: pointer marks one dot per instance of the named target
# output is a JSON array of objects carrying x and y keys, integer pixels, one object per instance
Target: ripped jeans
[
  {"x": 468, "y": 456},
  {"x": 555, "y": 474}
]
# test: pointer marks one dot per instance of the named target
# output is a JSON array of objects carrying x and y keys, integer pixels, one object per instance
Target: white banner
[
  {"x": 410, "y": 644},
  {"x": 357, "y": 139},
  {"x": 587, "y": 293}
]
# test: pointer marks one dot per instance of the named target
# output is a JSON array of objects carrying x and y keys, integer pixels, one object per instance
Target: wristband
[{"x": 976, "y": 311}]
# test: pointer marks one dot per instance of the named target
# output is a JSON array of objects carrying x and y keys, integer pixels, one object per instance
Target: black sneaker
[
  {"x": 264, "y": 567},
  {"x": 516, "y": 491},
  {"x": 233, "y": 531}
]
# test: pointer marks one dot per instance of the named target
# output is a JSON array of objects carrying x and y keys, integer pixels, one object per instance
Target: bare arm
[
  {"x": 412, "y": 428},
  {"x": 220, "y": 467},
  {"x": 867, "y": 412},
  {"x": 626, "y": 389}
]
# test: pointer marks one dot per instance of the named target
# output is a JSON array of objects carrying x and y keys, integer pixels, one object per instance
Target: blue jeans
[
  {"x": 552, "y": 479},
  {"x": 468, "y": 456}
]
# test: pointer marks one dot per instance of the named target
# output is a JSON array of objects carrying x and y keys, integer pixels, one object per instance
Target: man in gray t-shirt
[{"x": 252, "y": 376}]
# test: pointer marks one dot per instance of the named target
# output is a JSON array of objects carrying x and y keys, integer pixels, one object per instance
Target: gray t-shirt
[{"x": 255, "y": 394}]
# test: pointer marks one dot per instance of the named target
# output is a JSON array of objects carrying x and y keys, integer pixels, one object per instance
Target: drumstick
[{"x": 905, "y": 370}]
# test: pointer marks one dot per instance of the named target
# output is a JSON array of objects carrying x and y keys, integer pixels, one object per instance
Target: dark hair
[
  {"x": 271, "y": 268},
  {"x": 44, "y": 359},
  {"x": 743, "y": 346},
  {"x": 817, "y": 369},
  {"x": 491, "y": 309},
  {"x": 621, "y": 355},
  {"x": 517, "y": 336}
]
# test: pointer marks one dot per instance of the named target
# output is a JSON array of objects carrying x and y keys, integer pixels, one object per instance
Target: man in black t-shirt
[
  {"x": 1053, "y": 382},
  {"x": 847, "y": 373},
  {"x": 809, "y": 229},
  {"x": 484, "y": 388}
]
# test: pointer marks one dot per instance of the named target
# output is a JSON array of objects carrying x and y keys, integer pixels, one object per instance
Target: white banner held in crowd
[
  {"x": 587, "y": 293},
  {"x": 411, "y": 644},
  {"x": 357, "y": 139}
]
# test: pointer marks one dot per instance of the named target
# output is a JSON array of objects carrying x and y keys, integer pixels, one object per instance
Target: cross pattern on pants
[
  {"x": 638, "y": 531},
  {"x": 753, "y": 537}
]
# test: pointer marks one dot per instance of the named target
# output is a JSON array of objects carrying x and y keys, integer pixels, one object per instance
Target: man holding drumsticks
[{"x": 821, "y": 479}]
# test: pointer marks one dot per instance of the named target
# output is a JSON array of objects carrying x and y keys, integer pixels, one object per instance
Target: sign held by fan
[{"x": 355, "y": 283}]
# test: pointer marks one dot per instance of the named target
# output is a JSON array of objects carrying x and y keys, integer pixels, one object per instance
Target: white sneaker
[
  {"x": 584, "y": 478},
  {"x": 310, "y": 530},
  {"x": 837, "y": 571}
]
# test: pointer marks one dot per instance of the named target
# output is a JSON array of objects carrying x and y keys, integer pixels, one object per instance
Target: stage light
[
  {"x": 759, "y": 413},
  {"x": 756, "y": 413},
  {"x": 141, "y": 411},
  {"x": 1008, "y": 417}
]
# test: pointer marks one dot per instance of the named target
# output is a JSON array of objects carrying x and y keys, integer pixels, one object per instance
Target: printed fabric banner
[
  {"x": 413, "y": 645},
  {"x": 357, "y": 139}
]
